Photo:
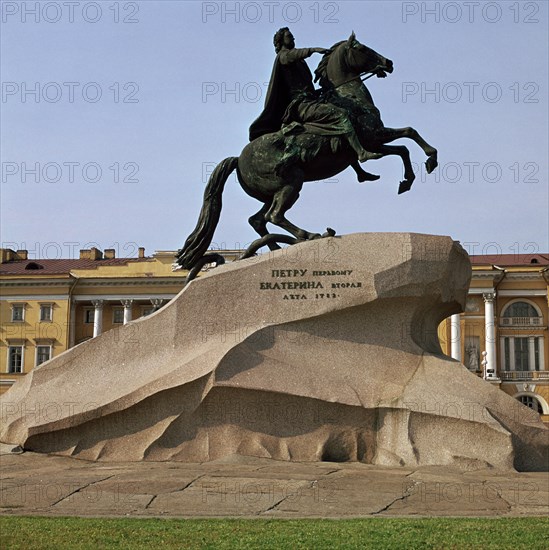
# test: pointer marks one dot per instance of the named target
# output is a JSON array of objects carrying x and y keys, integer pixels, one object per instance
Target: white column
[
  {"x": 490, "y": 332},
  {"x": 97, "y": 317},
  {"x": 127, "y": 310},
  {"x": 512, "y": 353},
  {"x": 455, "y": 336},
  {"x": 72, "y": 324},
  {"x": 531, "y": 354}
]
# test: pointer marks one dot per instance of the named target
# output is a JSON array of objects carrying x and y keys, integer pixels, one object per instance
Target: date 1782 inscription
[{"x": 325, "y": 285}]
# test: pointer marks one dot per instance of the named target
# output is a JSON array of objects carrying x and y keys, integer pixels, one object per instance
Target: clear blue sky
[{"x": 471, "y": 77}]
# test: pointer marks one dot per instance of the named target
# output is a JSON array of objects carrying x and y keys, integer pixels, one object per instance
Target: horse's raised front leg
[
  {"x": 404, "y": 154},
  {"x": 390, "y": 134}
]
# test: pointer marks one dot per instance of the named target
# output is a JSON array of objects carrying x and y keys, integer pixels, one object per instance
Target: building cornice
[
  {"x": 119, "y": 297},
  {"x": 132, "y": 281}
]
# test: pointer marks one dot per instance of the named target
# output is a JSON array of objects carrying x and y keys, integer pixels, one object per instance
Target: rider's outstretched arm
[{"x": 295, "y": 54}]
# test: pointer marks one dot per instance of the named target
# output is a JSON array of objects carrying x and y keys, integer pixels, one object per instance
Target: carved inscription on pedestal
[{"x": 307, "y": 284}]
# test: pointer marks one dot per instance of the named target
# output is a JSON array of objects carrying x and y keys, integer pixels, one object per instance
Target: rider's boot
[
  {"x": 362, "y": 154},
  {"x": 361, "y": 174}
]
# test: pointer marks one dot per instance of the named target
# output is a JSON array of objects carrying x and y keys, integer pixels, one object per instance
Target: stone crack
[
  {"x": 81, "y": 489},
  {"x": 276, "y": 504},
  {"x": 499, "y": 495},
  {"x": 150, "y": 502},
  {"x": 405, "y": 495},
  {"x": 189, "y": 484}
]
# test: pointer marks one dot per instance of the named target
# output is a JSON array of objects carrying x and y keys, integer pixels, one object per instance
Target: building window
[
  {"x": 521, "y": 314},
  {"x": 536, "y": 353},
  {"x": 118, "y": 315},
  {"x": 17, "y": 313},
  {"x": 45, "y": 312},
  {"x": 89, "y": 315},
  {"x": 15, "y": 359},
  {"x": 147, "y": 310},
  {"x": 522, "y": 353},
  {"x": 531, "y": 402},
  {"x": 43, "y": 354}
]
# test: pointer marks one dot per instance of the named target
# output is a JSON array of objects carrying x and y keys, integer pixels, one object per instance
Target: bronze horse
[{"x": 273, "y": 167}]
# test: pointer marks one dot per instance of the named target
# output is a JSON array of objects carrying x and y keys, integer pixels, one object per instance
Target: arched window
[
  {"x": 520, "y": 309},
  {"x": 521, "y": 314},
  {"x": 531, "y": 402}
]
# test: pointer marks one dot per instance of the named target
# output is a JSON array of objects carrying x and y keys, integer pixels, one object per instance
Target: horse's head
[
  {"x": 348, "y": 59},
  {"x": 361, "y": 59}
]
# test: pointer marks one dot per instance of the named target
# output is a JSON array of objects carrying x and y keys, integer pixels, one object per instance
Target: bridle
[{"x": 373, "y": 72}]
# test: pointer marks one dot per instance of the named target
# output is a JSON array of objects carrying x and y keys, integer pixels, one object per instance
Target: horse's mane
[{"x": 321, "y": 72}]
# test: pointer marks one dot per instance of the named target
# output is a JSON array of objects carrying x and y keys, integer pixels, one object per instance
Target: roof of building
[
  {"x": 508, "y": 260},
  {"x": 64, "y": 266},
  {"x": 61, "y": 266}
]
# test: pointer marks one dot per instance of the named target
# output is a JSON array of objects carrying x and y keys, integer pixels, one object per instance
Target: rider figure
[{"x": 291, "y": 97}]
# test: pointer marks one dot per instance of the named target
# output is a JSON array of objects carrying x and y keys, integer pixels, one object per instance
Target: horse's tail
[{"x": 199, "y": 240}]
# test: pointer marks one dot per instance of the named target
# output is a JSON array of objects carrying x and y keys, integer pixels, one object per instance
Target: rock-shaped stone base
[{"x": 326, "y": 350}]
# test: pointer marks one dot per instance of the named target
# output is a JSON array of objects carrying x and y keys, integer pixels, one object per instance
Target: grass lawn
[{"x": 83, "y": 533}]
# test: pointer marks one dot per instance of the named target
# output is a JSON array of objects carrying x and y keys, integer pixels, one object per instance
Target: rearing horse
[
  {"x": 274, "y": 167},
  {"x": 337, "y": 73}
]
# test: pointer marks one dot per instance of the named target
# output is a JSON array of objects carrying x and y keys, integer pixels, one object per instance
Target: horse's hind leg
[
  {"x": 259, "y": 223},
  {"x": 283, "y": 200}
]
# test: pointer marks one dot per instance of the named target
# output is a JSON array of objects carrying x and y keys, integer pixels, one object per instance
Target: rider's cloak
[{"x": 277, "y": 100}]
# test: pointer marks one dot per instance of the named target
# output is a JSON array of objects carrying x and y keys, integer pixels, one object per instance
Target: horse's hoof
[
  {"x": 329, "y": 233},
  {"x": 431, "y": 163},
  {"x": 404, "y": 186}
]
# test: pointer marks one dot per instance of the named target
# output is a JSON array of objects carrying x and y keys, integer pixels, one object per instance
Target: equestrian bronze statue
[{"x": 303, "y": 135}]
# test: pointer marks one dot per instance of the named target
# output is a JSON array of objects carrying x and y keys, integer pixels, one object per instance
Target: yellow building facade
[
  {"x": 48, "y": 306},
  {"x": 502, "y": 335}
]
